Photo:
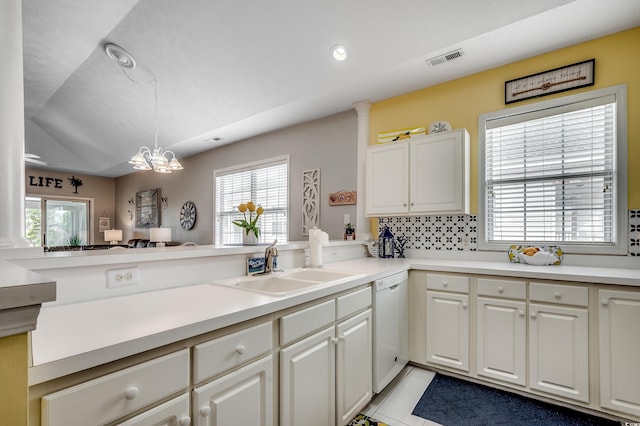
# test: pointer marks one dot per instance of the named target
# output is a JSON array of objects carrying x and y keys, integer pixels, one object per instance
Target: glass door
[{"x": 57, "y": 222}]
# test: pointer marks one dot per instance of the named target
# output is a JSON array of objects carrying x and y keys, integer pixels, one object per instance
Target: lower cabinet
[
  {"x": 448, "y": 321},
  {"x": 174, "y": 412},
  {"x": 619, "y": 343},
  {"x": 326, "y": 378},
  {"x": 559, "y": 340},
  {"x": 243, "y": 397}
]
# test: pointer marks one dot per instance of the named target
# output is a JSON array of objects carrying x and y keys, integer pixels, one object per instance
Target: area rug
[
  {"x": 362, "y": 420},
  {"x": 451, "y": 401}
]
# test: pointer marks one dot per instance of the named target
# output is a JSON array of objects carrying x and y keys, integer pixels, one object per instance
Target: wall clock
[
  {"x": 188, "y": 215},
  {"x": 553, "y": 81}
]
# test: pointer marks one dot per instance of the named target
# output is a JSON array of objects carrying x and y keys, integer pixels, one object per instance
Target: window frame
[
  {"x": 44, "y": 198},
  {"x": 620, "y": 246},
  {"x": 273, "y": 161}
]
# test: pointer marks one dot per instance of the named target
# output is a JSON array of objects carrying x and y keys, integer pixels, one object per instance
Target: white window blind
[
  {"x": 266, "y": 184},
  {"x": 550, "y": 175}
]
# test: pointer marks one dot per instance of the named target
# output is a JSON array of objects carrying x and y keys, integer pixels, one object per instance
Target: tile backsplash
[{"x": 460, "y": 232}]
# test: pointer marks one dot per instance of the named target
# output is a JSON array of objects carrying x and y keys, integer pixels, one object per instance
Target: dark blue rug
[{"x": 451, "y": 401}]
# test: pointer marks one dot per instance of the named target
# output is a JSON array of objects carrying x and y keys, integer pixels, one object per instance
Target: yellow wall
[
  {"x": 461, "y": 101},
  {"x": 14, "y": 399}
]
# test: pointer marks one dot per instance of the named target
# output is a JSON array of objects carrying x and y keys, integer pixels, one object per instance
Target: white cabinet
[
  {"x": 326, "y": 377},
  {"x": 353, "y": 366},
  {"x": 108, "y": 398},
  {"x": 239, "y": 396},
  {"x": 502, "y": 330},
  {"x": 559, "y": 340},
  {"x": 448, "y": 321},
  {"x": 243, "y": 397},
  {"x": 619, "y": 344},
  {"x": 174, "y": 412},
  {"x": 427, "y": 175}
]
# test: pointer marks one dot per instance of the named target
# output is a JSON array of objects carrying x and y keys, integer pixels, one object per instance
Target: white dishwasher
[{"x": 390, "y": 328}]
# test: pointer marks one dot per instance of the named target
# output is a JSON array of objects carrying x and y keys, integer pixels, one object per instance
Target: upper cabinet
[{"x": 429, "y": 175}]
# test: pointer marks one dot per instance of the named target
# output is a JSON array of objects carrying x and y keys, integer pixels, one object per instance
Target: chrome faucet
[{"x": 269, "y": 254}]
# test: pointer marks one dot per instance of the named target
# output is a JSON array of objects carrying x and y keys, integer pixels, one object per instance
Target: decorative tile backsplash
[
  {"x": 460, "y": 232},
  {"x": 634, "y": 232}
]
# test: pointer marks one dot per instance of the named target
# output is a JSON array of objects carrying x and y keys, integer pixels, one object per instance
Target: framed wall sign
[
  {"x": 545, "y": 83},
  {"x": 148, "y": 209}
]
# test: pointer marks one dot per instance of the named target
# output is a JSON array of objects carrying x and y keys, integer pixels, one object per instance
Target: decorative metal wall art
[{"x": 310, "y": 200}]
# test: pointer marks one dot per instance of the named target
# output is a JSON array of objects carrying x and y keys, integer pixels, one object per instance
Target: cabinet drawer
[
  {"x": 556, "y": 293},
  {"x": 170, "y": 413},
  {"x": 353, "y": 302},
  {"x": 502, "y": 288},
  {"x": 216, "y": 356},
  {"x": 306, "y": 321},
  {"x": 455, "y": 283},
  {"x": 115, "y": 395}
]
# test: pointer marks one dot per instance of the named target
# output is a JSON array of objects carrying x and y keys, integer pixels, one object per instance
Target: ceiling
[{"x": 237, "y": 69}]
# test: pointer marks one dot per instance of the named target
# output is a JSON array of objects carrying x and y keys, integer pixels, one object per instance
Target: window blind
[
  {"x": 550, "y": 175},
  {"x": 267, "y": 186}
]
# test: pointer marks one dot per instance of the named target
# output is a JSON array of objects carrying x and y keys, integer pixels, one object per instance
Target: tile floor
[{"x": 395, "y": 403}]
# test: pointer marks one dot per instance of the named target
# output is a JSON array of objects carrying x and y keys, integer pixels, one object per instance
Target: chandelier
[{"x": 159, "y": 160}]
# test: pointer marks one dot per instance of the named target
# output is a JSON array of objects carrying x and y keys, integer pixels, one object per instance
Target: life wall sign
[
  {"x": 47, "y": 182},
  {"x": 569, "y": 77}
]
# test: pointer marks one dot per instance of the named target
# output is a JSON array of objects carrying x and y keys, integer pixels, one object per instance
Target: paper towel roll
[{"x": 317, "y": 239}]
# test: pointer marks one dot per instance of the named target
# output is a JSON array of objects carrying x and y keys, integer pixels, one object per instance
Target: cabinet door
[
  {"x": 502, "y": 341},
  {"x": 307, "y": 381},
  {"x": 353, "y": 366},
  {"x": 439, "y": 173},
  {"x": 174, "y": 412},
  {"x": 619, "y": 316},
  {"x": 559, "y": 350},
  {"x": 243, "y": 397},
  {"x": 387, "y": 179},
  {"x": 448, "y": 329}
]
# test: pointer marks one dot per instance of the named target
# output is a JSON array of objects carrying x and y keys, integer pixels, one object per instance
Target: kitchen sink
[{"x": 283, "y": 283}]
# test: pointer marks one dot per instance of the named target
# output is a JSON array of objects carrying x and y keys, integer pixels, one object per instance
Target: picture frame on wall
[
  {"x": 569, "y": 77},
  {"x": 148, "y": 209},
  {"x": 104, "y": 223}
]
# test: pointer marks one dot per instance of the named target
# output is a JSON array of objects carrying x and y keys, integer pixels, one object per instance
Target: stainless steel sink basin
[{"x": 282, "y": 283}]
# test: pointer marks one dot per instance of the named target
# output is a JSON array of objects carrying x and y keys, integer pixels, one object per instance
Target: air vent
[{"x": 444, "y": 58}]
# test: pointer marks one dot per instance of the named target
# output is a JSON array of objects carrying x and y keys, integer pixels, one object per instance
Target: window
[
  {"x": 57, "y": 222},
  {"x": 554, "y": 173},
  {"x": 266, "y": 183}
]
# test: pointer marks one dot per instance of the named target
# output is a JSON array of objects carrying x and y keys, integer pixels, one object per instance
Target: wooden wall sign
[{"x": 342, "y": 198}]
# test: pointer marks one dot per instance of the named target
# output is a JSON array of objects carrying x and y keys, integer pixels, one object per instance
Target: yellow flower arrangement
[{"x": 249, "y": 225}]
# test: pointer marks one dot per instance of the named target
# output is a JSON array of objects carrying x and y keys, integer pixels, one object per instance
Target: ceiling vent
[{"x": 444, "y": 58}]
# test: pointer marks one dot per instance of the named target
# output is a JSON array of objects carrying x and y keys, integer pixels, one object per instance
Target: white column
[
  {"x": 362, "y": 222},
  {"x": 12, "y": 190}
]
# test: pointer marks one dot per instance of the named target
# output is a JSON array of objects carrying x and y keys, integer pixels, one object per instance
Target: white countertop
[{"x": 73, "y": 337}]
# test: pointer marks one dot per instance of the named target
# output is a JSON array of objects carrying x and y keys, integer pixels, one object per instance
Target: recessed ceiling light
[
  {"x": 213, "y": 139},
  {"x": 339, "y": 52}
]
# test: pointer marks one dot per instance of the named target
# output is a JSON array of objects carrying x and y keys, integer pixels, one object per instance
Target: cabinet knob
[
  {"x": 445, "y": 284},
  {"x": 241, "y": 349},
  {"x": 464, "y": 305},
  {"x": 604, "y": 302},
  {"x": 557, "y": 295},
  {"x": 500, "y": 289},
  {"x": 132, "y": 393},
  {"x": 404, "y": 205},
  {"x": 205, "y": 411},
  {"x": 184, "y": 421},
  {"x": 533, "y": 315},
  {"x": 521, "y": 313},
  {"x": 412, "y": 204},
  {"x": 334, "y": 340}
]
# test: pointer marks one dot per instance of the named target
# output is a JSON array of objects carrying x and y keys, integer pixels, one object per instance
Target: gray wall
[{"x": 328, "y": 144}]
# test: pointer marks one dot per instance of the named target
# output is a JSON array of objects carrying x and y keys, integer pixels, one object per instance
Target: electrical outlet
[
  {"x": 333, "y": 253},
  {"x": 122, "y": 277}
]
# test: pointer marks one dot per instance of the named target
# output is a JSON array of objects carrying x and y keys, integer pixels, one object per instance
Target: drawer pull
[
  {"x": 185, "y": 421},
  {"x": 132, "y": 393},
  {"x": 241, "y": 349},
  {"x": 500, "y": 289},
  {"x": 557, "y": 295},
  {"x": 445, "y": 284},
  {"x": 605, "y": 302},
  {"x": 205, "y": 411}
]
